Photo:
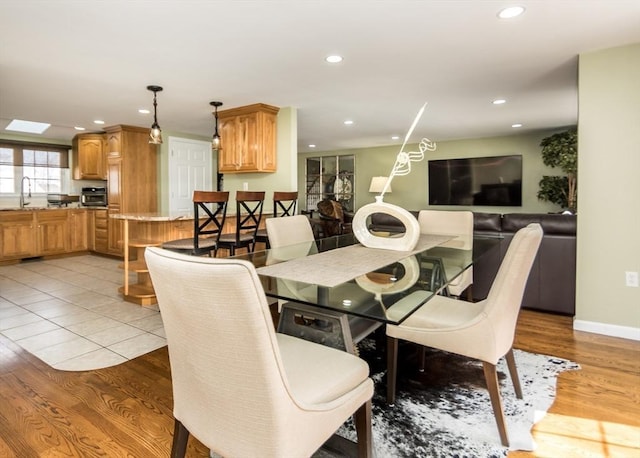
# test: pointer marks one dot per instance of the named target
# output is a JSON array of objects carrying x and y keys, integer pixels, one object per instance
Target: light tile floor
[{"x": 68, "y": 313}]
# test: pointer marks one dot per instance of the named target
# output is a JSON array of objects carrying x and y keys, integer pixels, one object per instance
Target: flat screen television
[{"x": 490, "y": 181}]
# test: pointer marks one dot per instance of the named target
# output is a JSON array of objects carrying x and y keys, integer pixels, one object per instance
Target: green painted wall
[
  {"x": 410, "y": 191},
  {"x": 608, "y": 173}
]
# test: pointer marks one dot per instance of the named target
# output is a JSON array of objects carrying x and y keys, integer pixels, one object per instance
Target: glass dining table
[{"x": 336, "y": 292}]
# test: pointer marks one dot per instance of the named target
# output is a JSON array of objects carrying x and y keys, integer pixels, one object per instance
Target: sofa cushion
[
  {"x": 552, "y": 223},
  {"x": 559, "y": 224},
  {"x": 512, "y": 222},
  {"x": 487, "y": 222}
]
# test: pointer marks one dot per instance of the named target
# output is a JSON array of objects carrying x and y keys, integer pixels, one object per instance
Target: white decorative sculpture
[{"x": 402, "y": 166}]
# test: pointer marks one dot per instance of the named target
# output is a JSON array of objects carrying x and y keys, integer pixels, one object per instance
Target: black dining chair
[
  {"x": 248, "y": 217},
  {"x": 207, "y": 224},
  {"x": 284, "y": 204}
]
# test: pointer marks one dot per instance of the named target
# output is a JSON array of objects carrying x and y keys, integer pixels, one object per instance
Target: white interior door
[{"x": 190, "y": 168}]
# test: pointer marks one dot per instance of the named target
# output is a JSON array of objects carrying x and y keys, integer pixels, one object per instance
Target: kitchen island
[{"x": 140, "y": 231}]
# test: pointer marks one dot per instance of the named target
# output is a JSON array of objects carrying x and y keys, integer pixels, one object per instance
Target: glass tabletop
[{"x": 387, "y": 294}]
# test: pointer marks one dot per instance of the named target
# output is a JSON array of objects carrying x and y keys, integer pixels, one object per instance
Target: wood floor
[{"x": 125, "y": 411}]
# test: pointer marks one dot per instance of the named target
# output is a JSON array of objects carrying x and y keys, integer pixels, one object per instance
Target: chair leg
[
  {"x": 392, "y": 369},
  {"x": 469, "y": 293},
  {"x": 180, "y": 439},
  {"x": 491, "y": 377},
  {"x": 513, "y": 371},
  {"x": 363, "y": 430}
]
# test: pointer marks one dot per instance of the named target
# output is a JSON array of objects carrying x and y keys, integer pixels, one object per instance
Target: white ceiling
[{"x": 68, "y": 62}]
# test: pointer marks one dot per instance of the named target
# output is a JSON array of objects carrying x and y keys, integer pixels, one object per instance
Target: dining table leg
[{"x": 392, "y": 369}]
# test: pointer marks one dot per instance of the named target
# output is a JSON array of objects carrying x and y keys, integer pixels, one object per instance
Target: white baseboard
[{"x": 613, "y": 330}]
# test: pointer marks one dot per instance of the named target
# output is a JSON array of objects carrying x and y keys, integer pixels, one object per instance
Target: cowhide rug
[{"x": 446, "y": 412}]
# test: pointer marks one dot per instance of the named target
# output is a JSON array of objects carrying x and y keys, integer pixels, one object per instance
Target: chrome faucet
[{"x": 22, "y": 202}]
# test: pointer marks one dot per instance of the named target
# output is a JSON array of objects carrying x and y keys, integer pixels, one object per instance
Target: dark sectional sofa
[{"x": 552, "y": 282}]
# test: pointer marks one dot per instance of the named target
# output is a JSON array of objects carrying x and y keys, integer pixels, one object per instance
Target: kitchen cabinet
[
  {"x": 114, "y": 226},
  {"x": 78, "y": 229},
  {"x": 100, "y": 231},
  {"x": 52, "y": 231},
  {"x": 91, "y": 230},
  {"x": 89, "y": 160},
  {"x": 17, "y": 239},
  {"x": 248, "y": 139},
  {"x": 131, "y": 178},
  {"x": 30, "y": 233}
]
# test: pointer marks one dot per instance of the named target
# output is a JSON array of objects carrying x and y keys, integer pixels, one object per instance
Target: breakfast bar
[{"x": 141, "y": 230}]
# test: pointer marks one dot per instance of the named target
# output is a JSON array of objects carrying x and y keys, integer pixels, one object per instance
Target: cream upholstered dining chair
[
  {"x": 288, "y": 236},
  {"x": 483, "y": 330},
  {"x": 284, "y": 204},
  {"x": 289, "y": 230},
  {"x": 238, "y": 386},
  {"x": 460, "y": 224}
]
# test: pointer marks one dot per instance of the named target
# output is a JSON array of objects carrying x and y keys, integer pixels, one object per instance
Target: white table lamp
[{"x": 377, "y": 185}]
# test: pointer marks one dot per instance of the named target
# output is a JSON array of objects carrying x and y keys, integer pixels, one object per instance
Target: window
[
  {"x": 330, "y": 177},
  {"x": 39, "y": 168}
]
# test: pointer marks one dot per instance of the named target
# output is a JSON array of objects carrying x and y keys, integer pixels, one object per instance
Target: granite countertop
[
  {"x": 154, "y": 216},
  {"x": 34, "y": 209}
]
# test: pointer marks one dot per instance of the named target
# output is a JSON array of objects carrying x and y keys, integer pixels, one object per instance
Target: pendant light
[
  {"x": 155, "y": 134},
  {"x": 215, "y": 142}
]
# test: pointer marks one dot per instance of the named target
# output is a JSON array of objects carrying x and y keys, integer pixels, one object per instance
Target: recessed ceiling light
[
  {"x": 348, "y": 122},
  {"x": 312, "y": 146},
  {"x": 395, "y": 137},
  {"x": 79, "y": 128},
  {"x": 334, "y": 59},
  {"x": 499, "y": 101},
  {"x": 143, "y": 111},
  {"x": 511, "y": 12},
  {"x": 28, "y": 127},
  {"x": 516, "y": 125},
  {"x": 98, "y": 121}
]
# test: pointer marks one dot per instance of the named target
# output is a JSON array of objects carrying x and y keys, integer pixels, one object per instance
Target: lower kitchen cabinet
[
  {"x": 52, "y": 231},
  {"x": 78, "y": 230},
  {"x": 17, "y": 239},
  {"x": 100, "y": 231},
  {"x": 31, "y": 233}
]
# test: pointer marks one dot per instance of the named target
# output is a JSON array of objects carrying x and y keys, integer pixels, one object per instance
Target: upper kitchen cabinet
[
  {"x": 89, "y": 162},
  {"x": 248, "y": 139}
]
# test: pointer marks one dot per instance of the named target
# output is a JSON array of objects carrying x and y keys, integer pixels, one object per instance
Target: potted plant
[{"x": 560, "y": 150}]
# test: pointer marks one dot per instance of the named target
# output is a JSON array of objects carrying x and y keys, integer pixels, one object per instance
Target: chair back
[
  {"x": 458, "y": 223},
  {"x": 289, "y": 230},
  {"x": 213, "y": 223},
  {"x": 502, "y": 305},
  {"x": 235, "y": 381},
  {"x": 248, "y": 212},
  {"x": 284, "y": 203}
]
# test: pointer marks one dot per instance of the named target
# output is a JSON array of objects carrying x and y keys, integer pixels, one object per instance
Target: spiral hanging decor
[{"x": 401, "y": 167}]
